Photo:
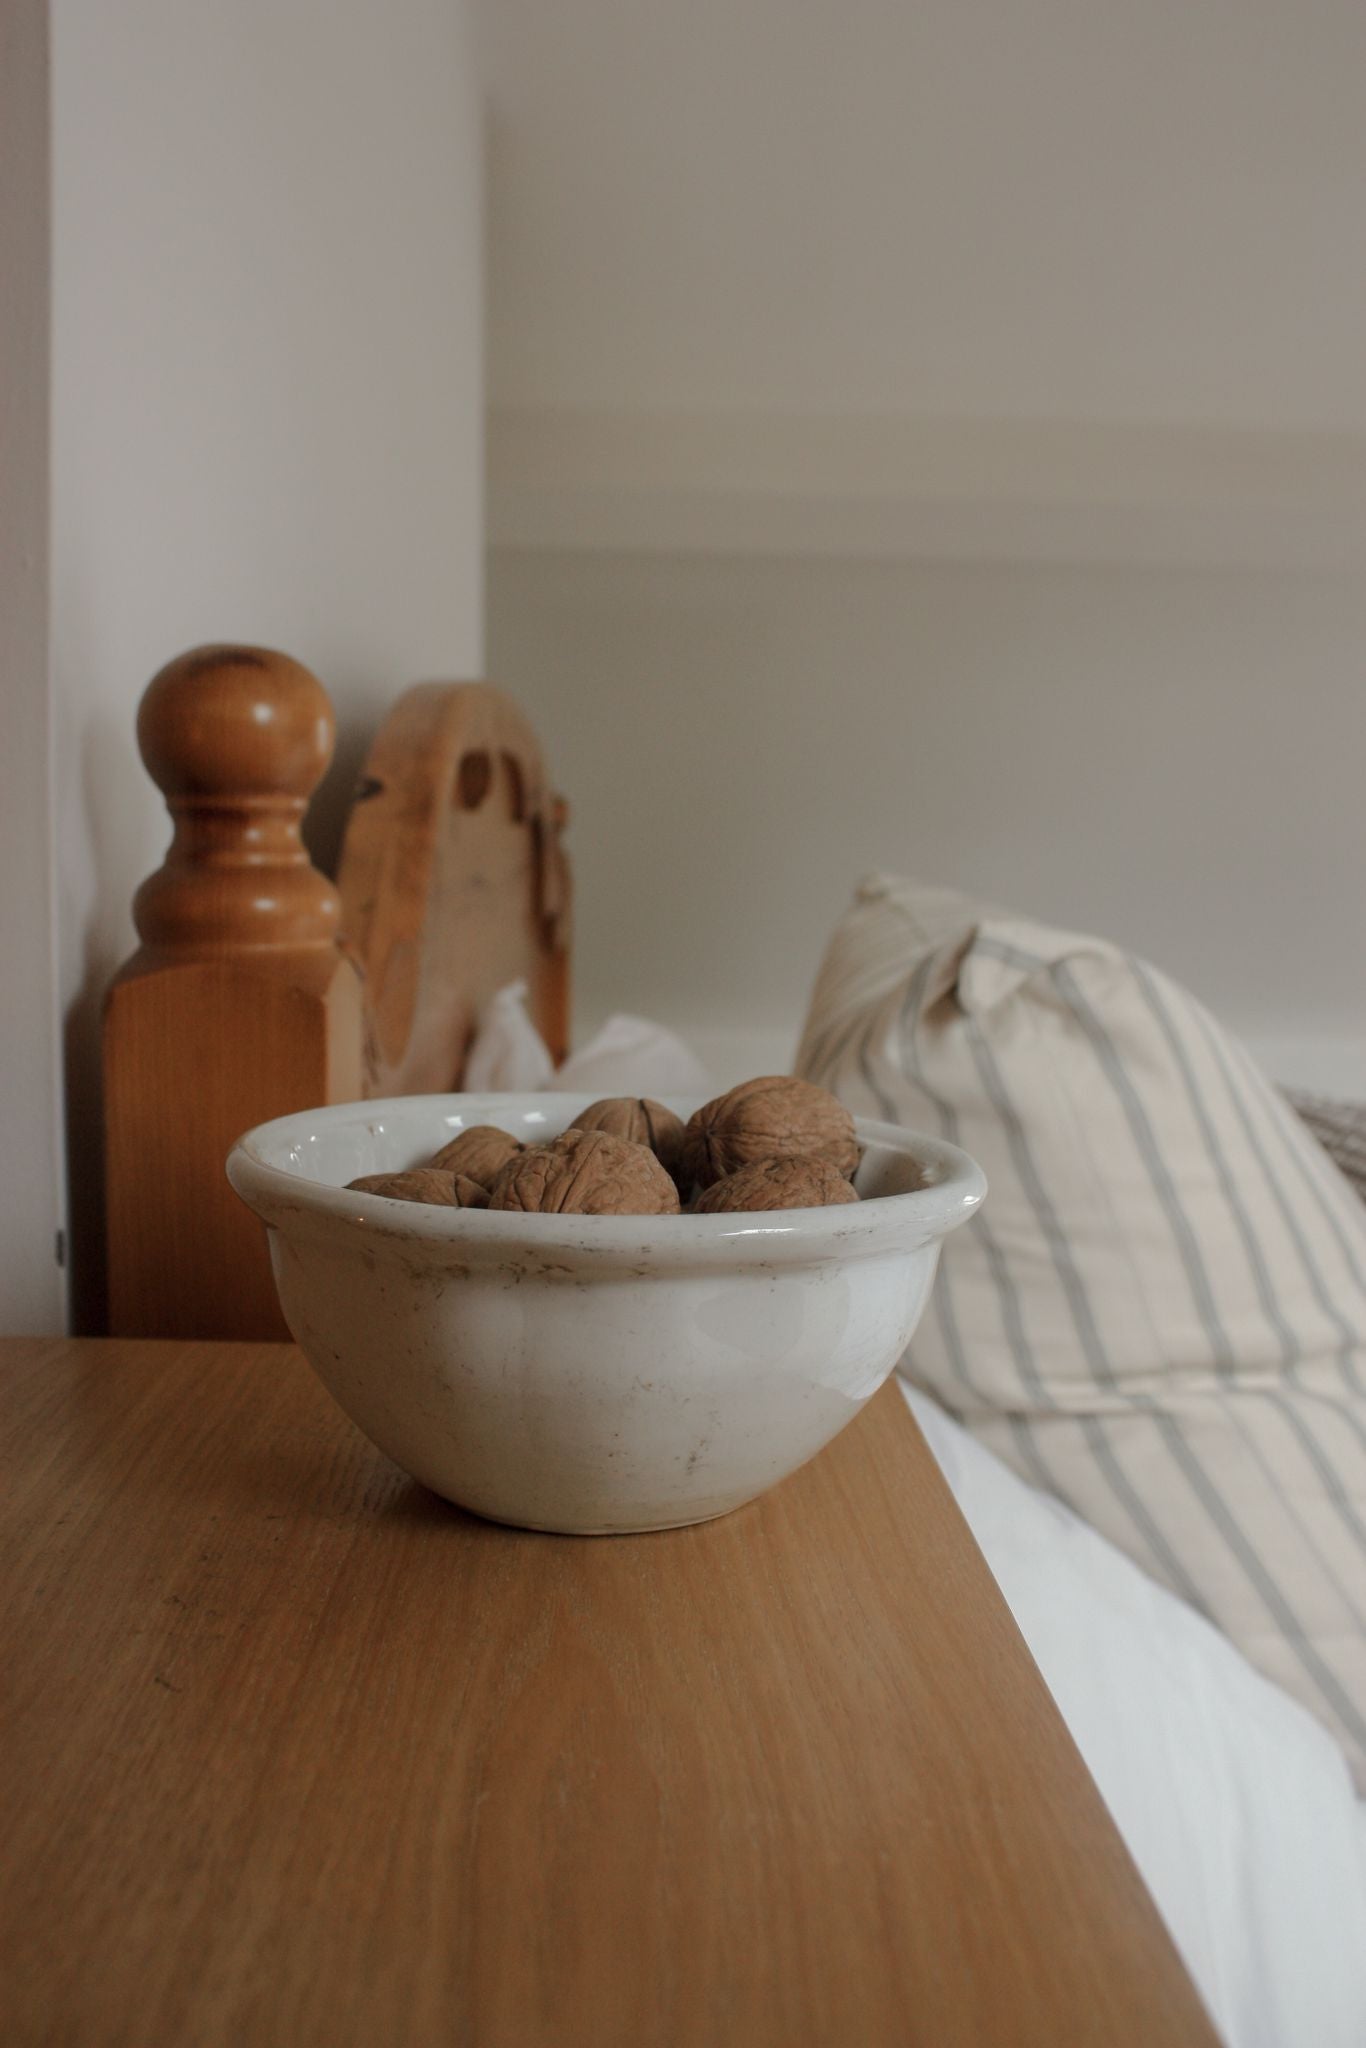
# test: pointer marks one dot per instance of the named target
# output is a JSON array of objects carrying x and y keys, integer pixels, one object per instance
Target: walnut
[
  {"x": 423, "y": 1184},
  {"x": 642, "y": 1121},
  {"x": 808, "y": 1182},
  {"x": 470, "y": 1194},
  {"x": 586, "y": 1173},
  {"x": 771, "y": 1118},
  {"x": 481, "y": 1152}
]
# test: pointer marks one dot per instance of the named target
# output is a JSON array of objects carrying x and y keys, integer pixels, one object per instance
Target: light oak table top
[{"x": 295, "y": 1753}]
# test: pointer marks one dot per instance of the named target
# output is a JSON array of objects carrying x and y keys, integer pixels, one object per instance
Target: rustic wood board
[
  {"x": 453, "y": 882},
  {"x": 295, "y": 1753}
]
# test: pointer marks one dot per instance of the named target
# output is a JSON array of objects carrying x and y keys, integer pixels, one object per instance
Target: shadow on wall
[
  {"x": 112, "y": 786},
  {"x": 331, "y": 803},
  {"x": 86, "y": 1272}
]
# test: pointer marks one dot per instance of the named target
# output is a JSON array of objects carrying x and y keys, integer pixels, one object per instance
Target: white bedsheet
[{"x": 1235, "y": 1804}]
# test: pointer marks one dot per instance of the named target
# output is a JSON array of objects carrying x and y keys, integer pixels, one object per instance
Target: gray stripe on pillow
[
  {"x": 1016, "y": 956},
  {"x": 1199, "y": 1479},
  {"x": 1270, "y": 1592},
  {"x": 1291, "y": 1354},
  {"x": 1261, "y": 1277},
  {"x": 829, "y": 1073},
  {"x": 1317, "y": 1284},
  {"x": 1031, "y": 1453},
  {"x": 908, "y": 1035},
  {"x": 1120, "y": 1485},
  {"x": 874, "y": 1086},
  {"x": 1079, "y": 1306},
  {"x": 908, "y": 1042},
  {"x": 815, "y": 1065},
  {"x": 1012, "y": 956},
  {"x": 1032, "y": 1381},
  {"x": 1254, "y": 1566},
  {"x": 816, "y": 1057},
  {"x": 1326, "y": 1186},
  {"x": 1155, "y": 1166},
  {"x": 822, "y": 1061},
  {"x": 844, "y": 1008},
  {"x": 1132, "y": 1501},
  {"x": 942, "y": 1295},
  {"x": 1188, "y": 1247},
  {"x": 1078, "y": 1300},
  {"x": 1298, "y": 1424},
  {"x": 1328, "y": 1479}
]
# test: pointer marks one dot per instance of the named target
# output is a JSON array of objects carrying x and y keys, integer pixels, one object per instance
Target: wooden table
[{"x": 295, "y": 1753}]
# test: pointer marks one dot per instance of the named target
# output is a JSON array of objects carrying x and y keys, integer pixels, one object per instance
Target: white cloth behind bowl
[
  {"x": 628, "y": 1056},
  {"x": 509, "y": 1055}
]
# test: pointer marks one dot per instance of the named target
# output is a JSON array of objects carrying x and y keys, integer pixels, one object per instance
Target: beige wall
[
  {"x": 1171, "y": 757},
  {"x": 935, "y": 436},
  {"x": 267, "y": 423},
  {"x": 1147, "y": 211}
]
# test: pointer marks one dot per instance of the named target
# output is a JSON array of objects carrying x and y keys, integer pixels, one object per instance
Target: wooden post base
[{"x": 194, "y": 1055}]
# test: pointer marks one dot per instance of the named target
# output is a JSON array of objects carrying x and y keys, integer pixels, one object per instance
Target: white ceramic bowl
[{"x": 591, "y": 1373}]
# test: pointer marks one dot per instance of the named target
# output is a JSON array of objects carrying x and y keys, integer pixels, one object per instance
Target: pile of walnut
[{"x": 773, "y": 1143}]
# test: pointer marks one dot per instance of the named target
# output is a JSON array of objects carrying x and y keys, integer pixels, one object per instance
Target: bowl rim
[{"x": 288, "y": 1201}]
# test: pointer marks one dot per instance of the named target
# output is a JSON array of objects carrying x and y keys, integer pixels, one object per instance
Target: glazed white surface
[{"x": 591, "y": 1373}]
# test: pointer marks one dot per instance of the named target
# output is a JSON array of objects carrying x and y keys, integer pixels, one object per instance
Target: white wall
[
  {"x": 266, "y": 385},
  {"x": 30, "y": 1179},
  {"x": 934, "y": 436},
  {"x": 1172, "y": 758}
]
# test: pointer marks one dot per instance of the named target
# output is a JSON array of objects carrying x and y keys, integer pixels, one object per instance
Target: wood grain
[{"x": 296, "y": 1754}]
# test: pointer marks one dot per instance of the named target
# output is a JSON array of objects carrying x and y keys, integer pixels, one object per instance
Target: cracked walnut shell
[
  {"x": 642, "y": 1121},
  {"x": 586, "y": 1173},
  {"x": 481, "y": 1152},
  {"x": 424, "y": 1184},
  {"x": 796, "y": 1182},
  {"x": 773, "y": 1117}
]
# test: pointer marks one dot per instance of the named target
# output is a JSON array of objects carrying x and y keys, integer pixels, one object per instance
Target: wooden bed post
[{"x": 239, "y": 1004}]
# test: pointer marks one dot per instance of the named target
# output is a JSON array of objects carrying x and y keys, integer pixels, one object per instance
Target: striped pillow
[{"x": 1160, "y": 1313}]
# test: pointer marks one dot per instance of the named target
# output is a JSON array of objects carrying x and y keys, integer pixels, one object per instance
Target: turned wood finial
[
  {"x": 237, "y": 738},
  {"x": 239, "y": 1006}
]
